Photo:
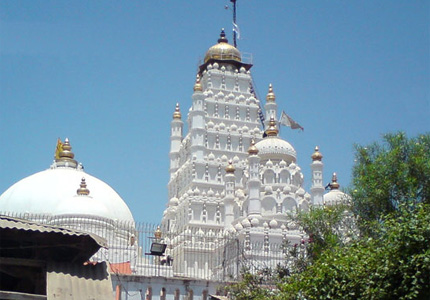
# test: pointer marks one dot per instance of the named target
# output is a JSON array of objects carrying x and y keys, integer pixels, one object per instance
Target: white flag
[
  {"x": 286, "y": 120},
  {"x": 236, "y": 29}
]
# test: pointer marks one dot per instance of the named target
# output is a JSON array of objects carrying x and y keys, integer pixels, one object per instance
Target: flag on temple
[
  {"x": 237, "y": 30},
  {"x": 286, "y": 120}
]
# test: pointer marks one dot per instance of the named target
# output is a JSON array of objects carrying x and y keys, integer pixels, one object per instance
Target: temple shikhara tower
[{"x": 232, "y": 174}]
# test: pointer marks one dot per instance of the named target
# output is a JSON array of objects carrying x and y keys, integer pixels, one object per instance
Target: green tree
[
  {"x": 325, "y": 228},
  {"x": 390, "y": 173},
  {"x": 396, "y": 265}
]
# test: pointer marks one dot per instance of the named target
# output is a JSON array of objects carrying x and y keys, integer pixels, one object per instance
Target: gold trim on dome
[
  {"x": 270, "y": 97},
  {"x": 272, "y": 130},
  {"x": 198, "y": 86},
  {"x": 83, "y": 188},
  {"x": 230, "y": 168},
  {"x": 252, "y": 150},
  {"x": 334, "y": 185},
  {"x": 316, "y": 156},
  {"x": 177, "y": 113},
  {"x": 223, "y": 50}
]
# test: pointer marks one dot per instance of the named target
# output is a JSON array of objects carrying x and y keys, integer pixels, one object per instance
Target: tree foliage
[
  {"x": 396, "y": 265},
  {"x": 326, "y": 228},
  {"x": 390, "y": 173}
]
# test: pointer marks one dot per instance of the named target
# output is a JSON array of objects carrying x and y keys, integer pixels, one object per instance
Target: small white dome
[
  {"x": 238, "y": 227},
  {"x": 335, "y": 197},
  {"x": 273, "y": 223},
  {"x": 273, "y": 147},
  {"x": 246, "y": 223},
  {"x": 174, "y": 201},
  {"x": 255, "y": 222}
]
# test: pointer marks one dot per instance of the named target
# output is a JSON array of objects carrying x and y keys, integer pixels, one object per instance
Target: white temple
[
  {"x": 225, "y": 178},
  {"x": 232, "y": 179}
]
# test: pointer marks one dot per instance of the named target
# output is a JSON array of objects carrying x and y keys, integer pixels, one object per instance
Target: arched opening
[
  {"x": 269, "y": 177},
  {"x": 268, "y": 206},
  {"x": 284, "y": 177},
  {"x": 289, "y": 205}
]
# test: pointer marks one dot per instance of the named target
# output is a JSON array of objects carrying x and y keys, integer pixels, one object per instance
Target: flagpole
[{"x": 234, "y": 22}]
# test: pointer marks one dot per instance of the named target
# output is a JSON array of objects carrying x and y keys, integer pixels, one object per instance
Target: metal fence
[{"x": 190, "y": 254}]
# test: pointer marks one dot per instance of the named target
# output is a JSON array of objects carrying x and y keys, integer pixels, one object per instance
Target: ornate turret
[
  {"x": 229, "y": 180},
  {"x": 317, "y": 188},
  {"x": 271, "y": 107},
  {"x": 175, "y": 139}
]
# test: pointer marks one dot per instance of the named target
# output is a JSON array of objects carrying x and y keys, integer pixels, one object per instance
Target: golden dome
[
  {"x": 223, "y": 50},
  {"x": 270, "y": 97},
  {"x": 83, "y": 188},
  {"x": 198, "y": 86},
  {"x": 230, "y": 168},
  {"x": 252, "y": 150},
  {"x": 177, "y": 113},
  {"x": 272, "y": 130},
  {"x": 316, "y": 155},
  {"x": 334, "y": 185}
]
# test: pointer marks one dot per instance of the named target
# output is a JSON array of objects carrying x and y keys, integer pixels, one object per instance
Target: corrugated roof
[
  {"x": 26, "y": 225},
  {"x": 71, "y": 281}
]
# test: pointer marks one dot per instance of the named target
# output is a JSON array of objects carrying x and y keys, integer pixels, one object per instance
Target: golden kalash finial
[
  {"x": 316, "y": 156},
  {"x": 157, "y": 233},
  {"x": 270, "y": 97},
  {"x": 63, "y": 154},
  {"x": 198, "y": 86},
  {"x": 230, "y": 168},
  {"x": 67, "y": 153},
  {"x": 272, "y": 130},
  {"x": 177, "y": 113},
  {"x": 252, "y": 150},
  {"x": 83, "y": 188},
  {"x": 334, "y": 185}
]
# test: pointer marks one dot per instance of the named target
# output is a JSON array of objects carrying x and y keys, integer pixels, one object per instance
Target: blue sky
[{"x": 107, "y": 75}]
